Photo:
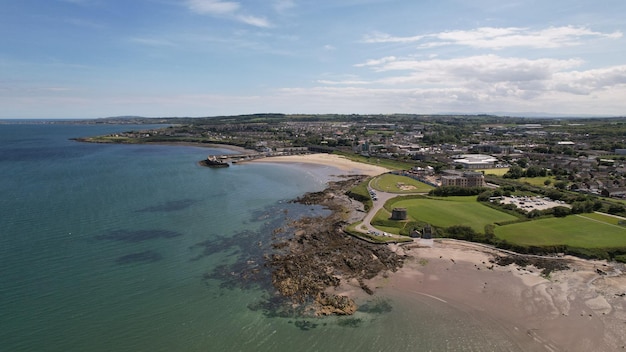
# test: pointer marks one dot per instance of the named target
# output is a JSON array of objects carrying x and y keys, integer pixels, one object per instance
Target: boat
[{"x": 211, "y": 161}]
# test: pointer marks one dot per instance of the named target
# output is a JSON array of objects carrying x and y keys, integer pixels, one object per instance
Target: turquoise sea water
[{"x": 128, "y": 248}]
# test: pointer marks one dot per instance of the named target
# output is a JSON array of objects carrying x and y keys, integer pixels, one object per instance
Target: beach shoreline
[
  {"x": 343, "y": 165},
  {"x": 576, "y": 309},
  {"x": 582, "y": 308}
]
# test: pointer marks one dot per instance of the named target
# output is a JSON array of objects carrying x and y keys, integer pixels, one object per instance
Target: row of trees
[{"x": 516, "y": 171}]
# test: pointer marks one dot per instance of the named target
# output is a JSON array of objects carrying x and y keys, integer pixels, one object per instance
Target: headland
[{"x": 581, "y": 307}]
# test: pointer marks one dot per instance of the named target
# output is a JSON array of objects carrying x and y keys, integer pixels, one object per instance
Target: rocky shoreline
[
  {"x": 320, "y": 256},
  {"x": 317, "y": 257}
]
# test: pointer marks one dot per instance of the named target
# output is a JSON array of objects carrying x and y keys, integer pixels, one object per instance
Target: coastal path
[{"x": 378, "y": 203}]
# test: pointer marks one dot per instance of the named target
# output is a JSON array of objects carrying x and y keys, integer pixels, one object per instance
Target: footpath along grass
[
  {"x": 399, "y": 184},
  {"x": 583, "y": 231},
  {"x": 449, "y": 211}
]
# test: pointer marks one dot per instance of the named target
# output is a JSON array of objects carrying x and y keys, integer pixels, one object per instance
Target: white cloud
[
  {"x": 254, "y": 21},
  {"x": 343, "y": 82},
  {"x": 500, "y": 38},
  {"x": 485, "y": 81},
  {"x": 484, "y": 68},
  {"x": 498, "y": 98},
  {"x": 378, "y": 37},
  {"x": 226, "y": 9},
  {"x": 590, "y": 81},
  {"x": 377, "y": 62},
  {"x": 491, "y": 82}
]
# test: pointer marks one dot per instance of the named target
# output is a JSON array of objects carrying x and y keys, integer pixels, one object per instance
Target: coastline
[
  {"x": 579, "y": 309},
  {"x": 230, "y": 147}
]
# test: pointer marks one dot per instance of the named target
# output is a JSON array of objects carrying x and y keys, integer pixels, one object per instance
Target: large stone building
[{"x": 462, "y": 179}]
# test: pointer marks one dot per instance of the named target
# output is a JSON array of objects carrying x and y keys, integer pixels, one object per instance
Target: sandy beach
[
  {"x": 572, "y": 310},
  {"x": 345, "y": 166},
  {"x": 582, "y": 308}
]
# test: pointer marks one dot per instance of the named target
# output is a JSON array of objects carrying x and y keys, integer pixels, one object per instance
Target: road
[{"x": 381, "y": 199}]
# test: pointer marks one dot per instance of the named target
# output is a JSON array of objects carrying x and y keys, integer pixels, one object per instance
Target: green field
[
  {"x": 391, "y": 164},
  {"x": 445, "y": 212},
  {"x": 399, "y": 184},
  {"x": 609, "y": 219},
  {"x": 584, "y": 231},
  {"x": 495, "y": 171},
  {"x": 537, "y": 181}
]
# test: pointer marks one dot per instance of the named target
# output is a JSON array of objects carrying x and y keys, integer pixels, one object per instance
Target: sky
[{"x": 192, "y": 58}]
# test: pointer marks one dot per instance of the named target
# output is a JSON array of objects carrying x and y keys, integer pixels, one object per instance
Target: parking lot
[{"x": 531, "y": 203}]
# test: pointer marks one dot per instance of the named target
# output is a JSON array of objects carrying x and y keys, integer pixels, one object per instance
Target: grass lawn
[
  {"x": 499, "y": 171},
  {"x": 445, "y": 212},
  {"x": 537, "y": 181},
  {"x": 388, "y": 163},
  {"x": 399, "y": 184},
  {"x": 603, "y": 217},
  {"x": 585, "y": 231}
]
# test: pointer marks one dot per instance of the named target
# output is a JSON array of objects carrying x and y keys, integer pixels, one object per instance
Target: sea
[{"x": 107, "y": 247}]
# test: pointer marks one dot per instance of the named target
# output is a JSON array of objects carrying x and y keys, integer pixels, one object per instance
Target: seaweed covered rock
[
  {"x": 329, "y": 304},
  {"x": 319, "y": 255}
]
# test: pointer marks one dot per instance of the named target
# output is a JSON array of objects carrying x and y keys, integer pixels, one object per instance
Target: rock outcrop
[{"x": 319, "y": 255}]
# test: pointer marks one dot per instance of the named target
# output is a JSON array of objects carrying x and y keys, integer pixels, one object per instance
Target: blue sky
[{"x": 99, "y": 58}]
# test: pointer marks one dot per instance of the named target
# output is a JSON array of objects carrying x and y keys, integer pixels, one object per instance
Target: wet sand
[{"x": 571, "y": 310}]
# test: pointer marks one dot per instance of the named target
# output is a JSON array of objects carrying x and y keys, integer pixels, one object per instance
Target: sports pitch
[
  {"x": 445, "y": 212},
  {"x": 584, "y": 231}
]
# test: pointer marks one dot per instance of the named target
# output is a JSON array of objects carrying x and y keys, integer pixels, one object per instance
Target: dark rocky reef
[{"x": 320, "y": 255}]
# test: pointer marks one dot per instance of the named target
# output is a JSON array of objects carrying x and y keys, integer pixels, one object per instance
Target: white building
[{"x": 475, "y": 161}]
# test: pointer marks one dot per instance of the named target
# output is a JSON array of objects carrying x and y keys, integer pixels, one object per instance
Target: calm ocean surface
[{"x": 129, "y": 248}]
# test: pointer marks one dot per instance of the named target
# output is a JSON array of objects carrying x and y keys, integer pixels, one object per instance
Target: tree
[
  {"x": 561, "y": 184},
  {"x": 597, "y": 205},
  {"x": 561, "y": 212},
  {"x": 461, "y": 232},
  {"x": 547, "y": 182},
  {"x": 616, "y": 208},
  {"x": 484, "y": 196},
  {"x": 515, "y": 172},
  {"x": 554, "y": 194},
  {"x": 533, "y": 171},
  {"x": 582, "y": 207}
]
